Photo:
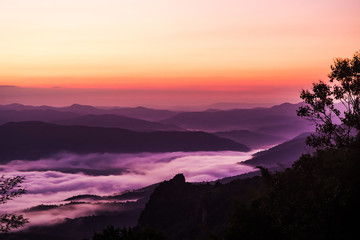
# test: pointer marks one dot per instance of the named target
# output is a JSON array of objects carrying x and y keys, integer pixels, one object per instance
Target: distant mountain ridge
[
  {"x": 136, "y": 112},
  {"x": 34, "y": 115},
  {"x": 248, "y": 119},
  {"x": 117, "y": 121},
  {"x": 251, "y": 139},
  {"x": 237, "y": 105},
  {"x": 282, "y": 154},
  {"x": 88, "y": 116},
  {"x": 33, "y": 140},
  {"x": 279, "y": 121}
]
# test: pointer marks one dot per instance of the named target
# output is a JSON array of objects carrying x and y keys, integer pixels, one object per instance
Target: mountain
[
  {"x": 254, "y": 140},
  {"x": 117, "y": 121},
  {"x": 183, "y": 210},
  {"x": 249, "y": 119},
  {"x": 136, "y": 112},
  {"x": 284, "y": 154},
  {"x": 17, "y": 106},
  {"x": 33, "y": 140},
  {"x": 69, "y": 117},
  {"x": 81, "y": 109},
  {"x": 287, "y": 130},
  {"x": 280, "y": 120},
  {"x": 233, "y": 105},
  {"x": 34, "y": 115},
  {"x": 143, "y": 113}
]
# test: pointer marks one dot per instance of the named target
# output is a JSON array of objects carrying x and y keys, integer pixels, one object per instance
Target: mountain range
[
  {"x": 136, "y": 112},
  {"x": 256, "y": 119},
  {"x": 257, "y": 127}
]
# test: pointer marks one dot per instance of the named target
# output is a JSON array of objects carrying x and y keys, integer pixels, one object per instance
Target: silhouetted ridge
[
  {"x": 34, "y": 115},
  {"x": 284, "y": 154},
  {"x": 251, "y": 139},
  {"x": 190, "y": 211},
  {"x": 136, "y": 112},
  {"x": 112, "y": 120},
  {"x": 178, "y": 179},
  {"x": 248, "y": 119},
  {"x": 33, "y": 140}
]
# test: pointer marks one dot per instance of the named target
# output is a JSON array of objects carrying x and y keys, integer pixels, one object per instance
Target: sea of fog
[{"x": 52, "y": 180}]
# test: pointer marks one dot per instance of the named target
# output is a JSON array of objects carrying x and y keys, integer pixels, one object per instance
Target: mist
[{"x": 51, "y": 180}]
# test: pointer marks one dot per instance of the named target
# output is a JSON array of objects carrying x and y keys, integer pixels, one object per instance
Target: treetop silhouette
[
  {"x": 334, "y": 107},
  {"x": 9, "y": 189}
]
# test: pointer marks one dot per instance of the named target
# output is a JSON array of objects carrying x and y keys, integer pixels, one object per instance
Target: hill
[
  {"x": 284, "y": 154},
  {"x": 78, "y": 109},
  {"x": 34, "y": 115},
  {"x": 195, "y": 211},
  {"x": 136, "y": 112},
  {"x": 247, "y": 119},
  {"x": 289, "y": 129},
  {"x": 117, "y": 121},
  {"x": 33, "y": 140},
  {"x": 253, "y": 140}
]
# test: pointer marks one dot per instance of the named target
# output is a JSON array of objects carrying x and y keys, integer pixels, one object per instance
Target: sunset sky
[{"x": 219, "y": 48}]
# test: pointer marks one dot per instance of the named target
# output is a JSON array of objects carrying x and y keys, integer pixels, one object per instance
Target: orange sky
[{"x": 167, "y": 44}]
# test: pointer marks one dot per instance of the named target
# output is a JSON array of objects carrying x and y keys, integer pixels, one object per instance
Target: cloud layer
[{"x": 51, "y": 180}]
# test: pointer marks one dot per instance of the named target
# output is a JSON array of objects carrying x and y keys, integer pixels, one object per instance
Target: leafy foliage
[
  {"x": 317, "y": 198},
  {"x": 9, "y": 189},
  {"x": 334, "y": 127}
]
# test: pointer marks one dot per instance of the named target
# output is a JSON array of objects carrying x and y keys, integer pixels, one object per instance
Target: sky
[{"x": 210, "y": 47}]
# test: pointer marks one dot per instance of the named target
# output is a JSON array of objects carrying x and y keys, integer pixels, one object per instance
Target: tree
[
  {"x": 9, "y": 189},
  {"x": 334, "y": 107}
]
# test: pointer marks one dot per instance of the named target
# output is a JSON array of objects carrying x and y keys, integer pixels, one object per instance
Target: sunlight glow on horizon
[{"x": 173, "y": 44}]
